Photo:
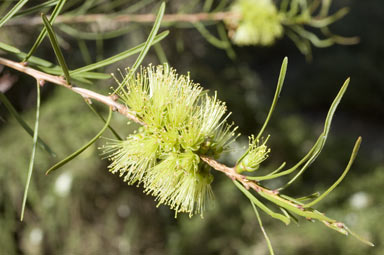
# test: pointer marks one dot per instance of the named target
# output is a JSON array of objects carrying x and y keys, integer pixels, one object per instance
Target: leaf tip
[{"x": 347, "y": 81}]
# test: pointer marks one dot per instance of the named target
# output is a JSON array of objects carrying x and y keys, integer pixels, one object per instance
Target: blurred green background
[{"x": 83, "y": 209}]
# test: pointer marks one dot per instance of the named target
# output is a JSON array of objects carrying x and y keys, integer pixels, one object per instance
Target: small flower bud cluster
[
  {"x": 259, "y": 23},
  {"x": 181, "y": 123},
  {"x": 253, "y": 157}
]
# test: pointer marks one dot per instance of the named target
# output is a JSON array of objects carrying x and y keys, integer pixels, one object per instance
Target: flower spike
[{"x": 182, "y": 122}]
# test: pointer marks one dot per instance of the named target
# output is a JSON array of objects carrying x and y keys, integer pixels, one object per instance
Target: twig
[
  {"x": 127, "y": 18},
  {"x": 88, "y": 94},
  {"x": 248, "y": 184}
]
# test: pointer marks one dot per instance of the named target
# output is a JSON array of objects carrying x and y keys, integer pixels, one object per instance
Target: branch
[
  {"x": 85, "y": 93},
  {"x": 231, "y": 173},
  {"x": 127, "y": 18}
]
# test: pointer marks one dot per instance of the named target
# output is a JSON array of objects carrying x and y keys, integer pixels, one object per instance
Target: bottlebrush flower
[
  {"x": 259, "y": 23},
  {"x": 182, "y": 122}
]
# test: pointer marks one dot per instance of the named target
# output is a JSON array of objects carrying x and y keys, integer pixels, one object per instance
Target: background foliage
[{"x": 82, "y": 209}]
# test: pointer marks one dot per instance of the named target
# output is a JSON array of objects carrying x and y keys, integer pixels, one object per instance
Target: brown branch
[
  {"x": 127, "y": 18},
  {"x": 85, "y": 93},
  {"x": 231, "y": 173}
]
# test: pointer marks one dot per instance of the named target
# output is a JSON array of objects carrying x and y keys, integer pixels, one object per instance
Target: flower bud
[{"x": 255, "y": 154}]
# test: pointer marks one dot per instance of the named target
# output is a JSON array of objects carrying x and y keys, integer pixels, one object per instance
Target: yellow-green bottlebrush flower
[
  {"x": 181, "y": 123},
  {"x": 133, "y": 156},
  {"x": 252, "y": 158},
  {"x": 259, "y": 23},
  {"x": 180, "y": 182}
]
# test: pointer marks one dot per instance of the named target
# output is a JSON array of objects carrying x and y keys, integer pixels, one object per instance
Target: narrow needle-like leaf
[
  {"x": 118, "y": 57},
  {"x": 312, "y": 196},
  {"x": 315, "y": 150},
  {"x": 279, "y": 86},
  {"x": 32, "y": 160},
  {"x": 358, "y": 237},
  {"x": 353, "y": 156},
  {"x": 160, "y": 53},
  {"x": 146, "y": 47},
  {"x": 102, "y": 118},
  {"x": 224, "y": 37},
  {"x": 12, "y": 12},
  {"x": 323, "y": 137},
  {"x": 56, "y": 48},
  {"x": 209, "y": 37},
  {"x": 37, "y": 8},
  {"x": 76, "y": 153},
  {"x": 43, "y": 33},
  {"x": 262, "y": 229},
  {"x": 23, "y": 124},
  {"x": 254, "y": 200}
]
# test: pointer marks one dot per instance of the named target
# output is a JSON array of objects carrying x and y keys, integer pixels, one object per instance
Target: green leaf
[
  {"x": 9, "y": 48},
  {"x": 207, "y": 5},
  {"x": 311, "y": 196},
  {"x": 56, "y": 70},
  {"x": 353, "y": 156},
  {"x": 43, "y": 33},
  {"x": 32, "y": 160},
  {"x": 303, "y": 45},
  {"x": 37, "y": 8},
  {"x": 12, "y": 12},
  {"x": 119, "y": 56},
  {"x": 295, "y": 208},
  {"x": 209, "y": 37},
  {"x": 50, "y": 68},
  {"x": 84, "y": 51},
  {"x": 56, "y": 48},
  {"x": 280, "y": 82},
  {"x": 83, "y": 148},
  {"x": 289, "y": 215},
  {"x": 102, "y": 118},
  {"x": 313, "y": 38},
  {"x": 4, "y": 6},
  {"x": 83, "y": 8},
  {"x": 95, "y": 36},
  {"x": 358, "y": 237},
  {"x": 146, "y": 47},
  {"x": 21, "y": 55},
  {"x": 136, "y": 6},
  {"x": 23, "y": 124},
  {"x": 323, "y": 137},
  {"x": 160, "y": 53},
  {"x": 316, "y": 149},
  {"x": 224, "y": 37},
  {"x": 279, "y": 86},
  {"x": 262, "y": 229},
  {"x": 220, "y": 6},
  {"x": 278, "y": 169},
  {"x": 328, "y": 20},
  {"x": 254, "y": 200}
]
